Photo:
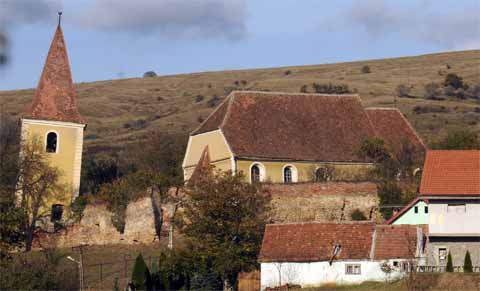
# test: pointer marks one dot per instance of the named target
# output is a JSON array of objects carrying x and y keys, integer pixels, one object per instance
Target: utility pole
[{"x": 80, "y": 266}]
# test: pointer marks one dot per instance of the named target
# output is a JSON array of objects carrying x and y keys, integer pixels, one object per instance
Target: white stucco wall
[
  {"x": 318, "y": 273},
  {"x": 443, "y": 221}
]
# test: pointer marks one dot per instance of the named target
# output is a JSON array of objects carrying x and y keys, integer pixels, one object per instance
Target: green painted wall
[{"x": 410, "y": 217}]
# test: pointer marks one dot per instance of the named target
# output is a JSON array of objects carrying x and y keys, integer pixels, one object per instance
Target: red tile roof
[
  {"x": 395, "y": 242},
  {"x": 295, "y": 126},
  {"x": 55, "y": 97},
  {"x": 451, "y": 172},
  {"x": 312, "y": 242},
  {"x": 394, "y": 129}
]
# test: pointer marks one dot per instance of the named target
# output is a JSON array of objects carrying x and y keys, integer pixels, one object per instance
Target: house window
[
  {"x": 426, "y": 209},
  {"x": 456, "y": 208},
  {"x": 51, "y": 144},
  {"x": 57, "y": 212},
  {"x": 287, "y": 175},
  {"x": 442, "y": 254},
  {"x": 353, "y": 269},
  {"x": 395, "y": 263},
  {"x": 416, "y": 209}
]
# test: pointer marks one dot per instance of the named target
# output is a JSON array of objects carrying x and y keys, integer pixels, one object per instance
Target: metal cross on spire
[{"x": 59, "y": 17}]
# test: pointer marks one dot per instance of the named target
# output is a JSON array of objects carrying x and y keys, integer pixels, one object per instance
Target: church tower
[{"x": 53, "y": 118}]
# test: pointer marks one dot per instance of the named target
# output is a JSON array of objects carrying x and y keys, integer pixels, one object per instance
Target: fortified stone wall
[
  {"x": 331, "y": 201},
  {"x": 96, "y": 228}
]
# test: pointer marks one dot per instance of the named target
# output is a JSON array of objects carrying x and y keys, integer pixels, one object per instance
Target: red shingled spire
[{"x": 55, "y": 97}]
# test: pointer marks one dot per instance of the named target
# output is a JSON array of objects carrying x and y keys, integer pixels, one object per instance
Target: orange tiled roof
[
  {"x": 451, "y": 172},
  {"x": 395, "y": 242},
  {"x": 314, "y": 241},
  {"x": 55, "y": 97},
  {"x": 295, "y": 126}
]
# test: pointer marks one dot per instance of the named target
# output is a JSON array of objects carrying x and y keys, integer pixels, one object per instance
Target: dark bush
[
  {"x": 458, "y": 140},
  {"x": 236, "y": 82},
  {"x": 403, "y": 90},
  {"x": 91, "y": 136},
  {"x": 244, "y": 82},
  {"x": 139, "y": 124},
  {"x": 358, "y": 215},
  {"x": 77, "y": 207},
  {"x": 430, "y": 109},
  {"x": 127, "y": 125},
  {"x": 199, "y": 98},
  {"x": 141, "y": 278},
  {"x": 331, "y": 88},
  {"x": 214, "y": 101},
  {"x": 304, "y": 89},
  {"x": 366, "y": 69},
  {"x": 432, "y": 91},
  {"x": 453, "y": 80},
  {"x": 200, "y": 119},
  {"x": 149, "y": 74},
  {"x": 287, "y": 72},
  {"x": 467, "y": 263},
  {"x": 449, "y": 267},
  {"x": 159, "y": 98}
]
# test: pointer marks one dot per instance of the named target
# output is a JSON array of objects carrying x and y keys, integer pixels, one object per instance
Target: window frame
[
  {"x": 293, "y": 171},
  {"x": 353, "y": 267},
  {"x": 415, "y": 209},
  {"x": 56, "y": 212},
  {"x": 57, "y": 147},
  {"x": 261, "y": 169}
]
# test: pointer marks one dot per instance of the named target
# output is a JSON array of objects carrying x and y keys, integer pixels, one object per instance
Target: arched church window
[
  {"x": 322, "y": 174},
  {"x": 255, "y": 174},
  {"x": 52, "y": 142},
  {"x": 287, "y": 175}
]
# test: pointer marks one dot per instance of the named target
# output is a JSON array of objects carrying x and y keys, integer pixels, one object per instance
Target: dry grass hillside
[{"x": 121, "y": 111}]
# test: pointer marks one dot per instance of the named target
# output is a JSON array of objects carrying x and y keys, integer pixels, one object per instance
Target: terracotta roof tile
[
  {"x": 395, "y": 241},
  {"x": 292, "y": 126},
  {"x": 311, "y": 242},
  {"x": 451, "y": 172},
  {"x": 391, "y": 126},
  {"x": 295, "y": 126},
  {"x": 55, "y": 97}
]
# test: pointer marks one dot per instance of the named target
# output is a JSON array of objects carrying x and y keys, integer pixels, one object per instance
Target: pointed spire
[
  {"x": 55, "y": 98},
  {"x": 203, "y": 166}
]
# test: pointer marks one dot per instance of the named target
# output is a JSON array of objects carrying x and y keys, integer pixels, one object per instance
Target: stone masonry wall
[{"x": 331, "y": 201}]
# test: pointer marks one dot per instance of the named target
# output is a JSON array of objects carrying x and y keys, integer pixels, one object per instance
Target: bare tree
[{"x": 38, "y": 183}]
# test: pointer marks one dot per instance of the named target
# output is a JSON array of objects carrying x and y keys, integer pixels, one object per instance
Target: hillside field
[{"x": 123, "y": 111}]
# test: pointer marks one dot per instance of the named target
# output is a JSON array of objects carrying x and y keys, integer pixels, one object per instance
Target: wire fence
[{"x": 103, "y": 275}]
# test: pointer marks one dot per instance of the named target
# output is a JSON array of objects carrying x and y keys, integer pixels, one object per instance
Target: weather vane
[{"x": 59, "y": 17}]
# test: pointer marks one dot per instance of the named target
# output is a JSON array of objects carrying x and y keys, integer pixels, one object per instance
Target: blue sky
[{"x": 109, "y": 39}]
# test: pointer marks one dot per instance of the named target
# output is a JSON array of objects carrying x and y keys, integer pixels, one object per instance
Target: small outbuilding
[{"x": 314, "y": 253}]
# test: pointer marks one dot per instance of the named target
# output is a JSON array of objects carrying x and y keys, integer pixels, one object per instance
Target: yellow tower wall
[{"x": 67, "y": 159}]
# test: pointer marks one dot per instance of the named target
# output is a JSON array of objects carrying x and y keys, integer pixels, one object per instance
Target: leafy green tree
[
  {"x": 228, "y": 218},
  {"x": 449, "y": 263},
  {"x": 140, "y": 274},
  {"x": 459, "y": 140},
  {"x": 467, "y": 263}
]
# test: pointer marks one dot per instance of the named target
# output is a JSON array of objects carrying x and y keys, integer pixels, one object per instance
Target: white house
[
  {"x": 451, "y": 184},
  {"x": 312, "y": 254}
]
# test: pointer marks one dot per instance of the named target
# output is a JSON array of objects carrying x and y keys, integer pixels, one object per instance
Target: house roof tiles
[
  {"x": 451, "y": 172},
  {"x": 314, "y": 241}
]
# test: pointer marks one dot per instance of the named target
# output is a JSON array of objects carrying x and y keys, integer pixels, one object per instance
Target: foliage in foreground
[{"x": 229, "y": 218}]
